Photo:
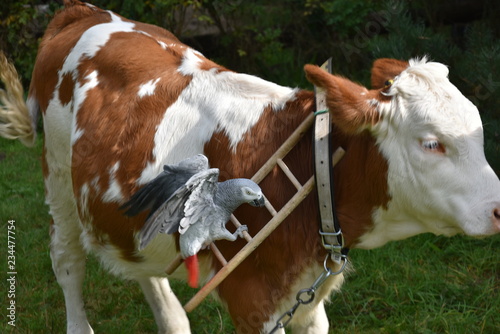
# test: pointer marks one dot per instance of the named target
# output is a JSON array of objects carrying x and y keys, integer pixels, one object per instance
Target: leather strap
[{"x": 330, "y": 228}]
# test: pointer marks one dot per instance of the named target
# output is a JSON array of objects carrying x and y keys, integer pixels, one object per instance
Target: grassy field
[{"x": 426, "y": 284}]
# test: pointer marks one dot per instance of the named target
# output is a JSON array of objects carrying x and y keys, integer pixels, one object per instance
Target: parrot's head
[{"x": 253, "y": 194}]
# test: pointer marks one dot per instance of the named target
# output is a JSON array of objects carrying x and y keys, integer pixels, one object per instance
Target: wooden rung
[
  {"x": 270, "y": 207},
  {"x": 218, "y": 254},
  {"x": 289, "y": 174},
  {"x": 337, "y": 155},
  {"x": 176, "y": 262}
]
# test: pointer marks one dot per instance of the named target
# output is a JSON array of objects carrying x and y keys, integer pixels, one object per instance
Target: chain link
[{"x": 285, "y": 319}]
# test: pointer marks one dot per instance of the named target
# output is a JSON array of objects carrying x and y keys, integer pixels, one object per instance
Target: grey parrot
[{"x": 188, "y": 198}]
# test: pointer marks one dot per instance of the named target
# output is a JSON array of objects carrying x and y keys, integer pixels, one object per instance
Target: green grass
[{"x": 426, "y": 284}]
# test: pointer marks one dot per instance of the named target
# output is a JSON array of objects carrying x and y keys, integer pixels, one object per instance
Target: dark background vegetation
[{"x": 274, "y": 39}]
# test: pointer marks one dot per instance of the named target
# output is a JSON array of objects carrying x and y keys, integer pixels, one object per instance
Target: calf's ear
[
  {"x": 352, "y": 106},
  {"x": 386, "y": 69}
]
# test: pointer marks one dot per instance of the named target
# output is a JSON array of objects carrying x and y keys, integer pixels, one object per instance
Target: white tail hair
[{"x": 15, "y": 119}]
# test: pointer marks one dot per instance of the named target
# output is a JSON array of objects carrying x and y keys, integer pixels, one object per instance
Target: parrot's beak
[{"x": 260, "y": 202}]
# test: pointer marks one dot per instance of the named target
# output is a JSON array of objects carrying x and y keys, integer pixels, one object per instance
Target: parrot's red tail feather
[{"x": 193, "y": 270}]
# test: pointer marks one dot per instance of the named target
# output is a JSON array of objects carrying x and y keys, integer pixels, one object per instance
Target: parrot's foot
[{"x": 239, "y": 231}]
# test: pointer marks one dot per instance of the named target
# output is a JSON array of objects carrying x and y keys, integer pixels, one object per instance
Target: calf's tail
[{"x": 16, "y": 122}]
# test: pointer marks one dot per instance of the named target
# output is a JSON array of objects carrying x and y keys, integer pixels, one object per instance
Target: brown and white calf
[{"x": 120, "y": 99}]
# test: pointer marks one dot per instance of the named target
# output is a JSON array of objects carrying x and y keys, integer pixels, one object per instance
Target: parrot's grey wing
[
  {"x": 166, "y": 219},
  {"x": 160, "y": 189},
  {"x": 201, "y": 201},
  {"x": 170, "y": 214}
]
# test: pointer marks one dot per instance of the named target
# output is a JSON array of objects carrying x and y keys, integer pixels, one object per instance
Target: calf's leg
[
  {"x": 168, "y": 312},
  {"x": 68, "y": 262},
  {"x": 318, "y": 322}
]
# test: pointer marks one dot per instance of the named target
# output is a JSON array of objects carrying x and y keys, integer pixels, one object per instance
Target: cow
[{"x": 120, "y": 99}]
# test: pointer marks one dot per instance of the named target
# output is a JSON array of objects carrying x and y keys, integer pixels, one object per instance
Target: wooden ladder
[{"x": 278, "y": 216}]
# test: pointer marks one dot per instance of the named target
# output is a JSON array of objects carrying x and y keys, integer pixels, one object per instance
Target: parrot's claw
[{"x": 239, "y": 231}]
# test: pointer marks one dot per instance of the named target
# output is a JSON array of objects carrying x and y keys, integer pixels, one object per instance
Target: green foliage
[
  {"x": 478, "y": 67},
  {"x": 345, "y": 16},
  {"x": 21, "y": 27},
  {"x": 473, "y": 64}
]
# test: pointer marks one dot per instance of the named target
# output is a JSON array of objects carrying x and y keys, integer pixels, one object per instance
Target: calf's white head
[{"x": 432, "y": 138}]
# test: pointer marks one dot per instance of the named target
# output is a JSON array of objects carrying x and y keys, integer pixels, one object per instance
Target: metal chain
[{"x": 285, "y": 319}]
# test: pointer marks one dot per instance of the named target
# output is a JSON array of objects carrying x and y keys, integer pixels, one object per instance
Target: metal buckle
[
  {"x": 332, "y": 247},
  {"x": 335, "y": 251}
]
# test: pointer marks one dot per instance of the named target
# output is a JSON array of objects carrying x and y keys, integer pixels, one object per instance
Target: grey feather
[{"x": 198, "y": 208}]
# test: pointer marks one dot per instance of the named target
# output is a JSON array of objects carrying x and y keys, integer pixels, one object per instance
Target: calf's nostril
[
  {"x": 496, "y": 214},
  {"x": 495, "y": 219}
]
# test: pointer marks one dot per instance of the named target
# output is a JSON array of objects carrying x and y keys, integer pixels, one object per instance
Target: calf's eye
[
  {"x": 433, "y": 145},
  {"x": 430, "y": 144}
]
